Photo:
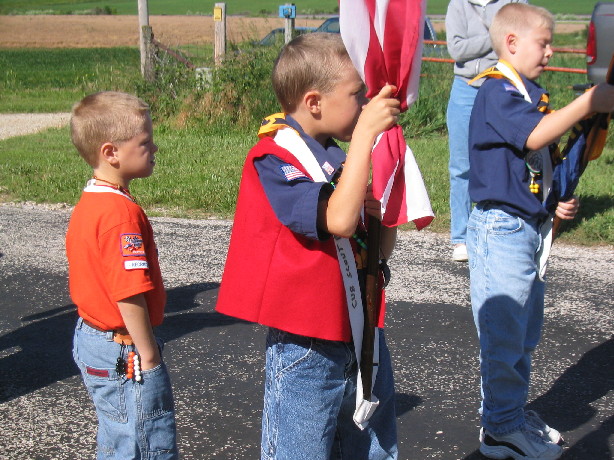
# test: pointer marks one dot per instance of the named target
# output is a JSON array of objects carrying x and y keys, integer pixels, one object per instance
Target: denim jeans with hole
[
  {"x": 135, "y": 420},
  {"x": 462, "y": 97},
  {"x": 507, "y": 299},
  {"x": 310, "y": 397}
]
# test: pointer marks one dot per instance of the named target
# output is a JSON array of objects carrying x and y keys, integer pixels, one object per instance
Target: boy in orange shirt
[{"x": 115, "y": 281}]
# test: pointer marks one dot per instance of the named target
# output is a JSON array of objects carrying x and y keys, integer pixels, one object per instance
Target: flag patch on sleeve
[
  {"x": 510, "y": 88},
  {"x": 132, "y": 245},
  {"x": 291, "y": 172}
]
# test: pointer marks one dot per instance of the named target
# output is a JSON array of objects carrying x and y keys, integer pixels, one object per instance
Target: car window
[{"x": 332, "y": 27}]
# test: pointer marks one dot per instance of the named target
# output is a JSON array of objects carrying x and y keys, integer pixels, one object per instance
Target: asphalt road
[{"x": 216, "y": 362}]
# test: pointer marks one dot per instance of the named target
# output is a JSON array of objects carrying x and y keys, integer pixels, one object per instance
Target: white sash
[
  {"x": 290, "y": 140},
  {"x": 545, "y": 229}
]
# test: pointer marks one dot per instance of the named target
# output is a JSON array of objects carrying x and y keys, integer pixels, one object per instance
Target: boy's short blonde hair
[
  {"x": 107, "y": 116},
  {"x": 309, "y": 62},
  {"x": 517, "y": 18}
]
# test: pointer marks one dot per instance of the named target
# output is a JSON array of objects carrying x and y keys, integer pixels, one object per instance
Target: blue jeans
[
  {"x": 460, "y": 105},
  {"x": 310, "y": 397},
  {"x": 507, "y": 299},
  {"x": 135, "y": 420}
]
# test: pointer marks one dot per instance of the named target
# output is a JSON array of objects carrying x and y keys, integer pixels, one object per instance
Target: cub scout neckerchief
[
  {"x": 540, "y": 157},
  {"x": 288, "y": 138}
]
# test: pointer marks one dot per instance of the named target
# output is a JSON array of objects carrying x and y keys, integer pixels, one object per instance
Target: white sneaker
[
  {"x": 533, "y": 419},
  {"x": 548, "y": 433},
  {"x": 460, "y": 253},
  {"x": 524, "y": 444}
]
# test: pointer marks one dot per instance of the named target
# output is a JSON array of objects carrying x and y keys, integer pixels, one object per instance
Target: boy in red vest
[
  {"x": 296, "y": 255},
  {"x": 115, "y": 281}
]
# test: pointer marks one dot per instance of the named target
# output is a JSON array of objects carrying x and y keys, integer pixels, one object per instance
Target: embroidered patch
[
  {"x": 328, "y": 169},
  {"x": 136, "y": 265},
  {"x": 96, "y": 372},
  {"x": 132, "y": 245},
  {"x": 291, "y": 172},
  {"x": 510, "y": 88}
]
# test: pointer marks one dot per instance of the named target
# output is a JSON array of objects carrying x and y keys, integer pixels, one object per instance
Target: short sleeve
[
  {"x": 292, "y": 194},
  {"x": 511, "y": 118},
  {"x": 124, "y": 259}
]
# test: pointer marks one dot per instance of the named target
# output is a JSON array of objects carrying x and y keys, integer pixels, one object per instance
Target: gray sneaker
[
  {"x": 524, "y": 444},
  {"x": 548, "y": 433}
]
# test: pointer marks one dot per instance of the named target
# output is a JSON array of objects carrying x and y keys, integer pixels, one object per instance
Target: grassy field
[
  {"x": 204, "y": 134},
  {"x": 197, "y": 176},
  {"x": 251, "y": 7},
  {"x": 51, "y": 80}
]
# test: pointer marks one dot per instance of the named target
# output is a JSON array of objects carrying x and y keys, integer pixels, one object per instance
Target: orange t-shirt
[{"x": 112, "y": 256}]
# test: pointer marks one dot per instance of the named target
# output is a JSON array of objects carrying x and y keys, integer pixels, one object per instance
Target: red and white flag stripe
[{"x": 384, "y": 41}]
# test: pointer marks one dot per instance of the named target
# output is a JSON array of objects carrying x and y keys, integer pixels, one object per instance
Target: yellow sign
[{"x": 217, "y": 13}]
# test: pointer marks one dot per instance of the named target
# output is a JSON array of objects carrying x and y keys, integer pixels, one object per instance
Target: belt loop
[
  {"x": 109, "y": 336},
  {"x": 79, "y": 323}
]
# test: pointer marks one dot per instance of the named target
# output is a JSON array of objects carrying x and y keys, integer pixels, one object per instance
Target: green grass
[
  {"x": 253, "y": 7},
  {"x": 204, "y": 134},
  {"x": 194, "y": 175},
  {"x": 52, "y": 80},
  {"x": 197, "y": 175}
]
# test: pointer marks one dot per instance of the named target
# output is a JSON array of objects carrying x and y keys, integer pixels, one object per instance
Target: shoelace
[
  {"x": 533, "y": 433},
  {"x": 536, "y": 422}
]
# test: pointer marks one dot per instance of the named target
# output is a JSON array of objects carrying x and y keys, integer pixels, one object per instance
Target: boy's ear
[
  {"x": 511, "y": 41},
  {"x": 312, "y": 100},
  {"x": 108, "y": 153}
]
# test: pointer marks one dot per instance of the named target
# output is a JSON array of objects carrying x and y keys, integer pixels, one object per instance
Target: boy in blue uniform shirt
[
  {"x": 510, "y": 132},
  {"x": 295, "y": 210}
]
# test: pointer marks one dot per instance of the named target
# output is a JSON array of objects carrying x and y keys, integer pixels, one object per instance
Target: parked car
[
  {"x": 332, "y": 25},
  {"x": 277, "y": 36},
  {"x": 600, "y": 42}
]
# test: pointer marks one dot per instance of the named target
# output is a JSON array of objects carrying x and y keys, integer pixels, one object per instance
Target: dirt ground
[{"x": 111, "y": 31}]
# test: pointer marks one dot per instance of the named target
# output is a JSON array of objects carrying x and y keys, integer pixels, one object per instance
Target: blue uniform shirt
[
  {"x": 501, "y": 122},
  {"x": 293, "y": 196}
]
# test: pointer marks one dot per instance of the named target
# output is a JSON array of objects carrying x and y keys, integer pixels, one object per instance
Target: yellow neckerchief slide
[{"x": 271, "y": 124}]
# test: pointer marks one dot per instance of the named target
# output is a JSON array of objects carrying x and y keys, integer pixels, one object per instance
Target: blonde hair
[
  {"x": 309, "y": 62},
  {"x": 107, "y": 116},
  {"x": 517, "y": 18}
]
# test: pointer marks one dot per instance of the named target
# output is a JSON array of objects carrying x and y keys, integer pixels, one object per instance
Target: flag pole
[
  {"x": 595, "y": 141},
  {"x": 371, "y": 304}
]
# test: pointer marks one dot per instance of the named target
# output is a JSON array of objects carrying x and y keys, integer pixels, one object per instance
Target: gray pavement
[{"x": 216, "y": 362}]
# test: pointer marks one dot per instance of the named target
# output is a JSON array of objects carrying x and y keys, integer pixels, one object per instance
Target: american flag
[
  {"x": 384, "y": 41},
  {"x": 291, "y": 172}
]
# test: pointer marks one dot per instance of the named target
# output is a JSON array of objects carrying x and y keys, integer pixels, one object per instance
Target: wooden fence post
[
  {"x": 289, "y": 25},
  {"x": 219, "y": 18},
  {"x": 148, "y": 54},
  {"x": 145, "y": 36}
]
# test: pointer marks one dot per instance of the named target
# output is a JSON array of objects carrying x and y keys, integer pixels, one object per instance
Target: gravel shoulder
[
  {"x": 216, "y": 362},
  {"x": 19, "y": 124}
]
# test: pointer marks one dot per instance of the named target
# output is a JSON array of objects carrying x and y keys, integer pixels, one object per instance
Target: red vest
[{"x": 276, "y": 277}]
